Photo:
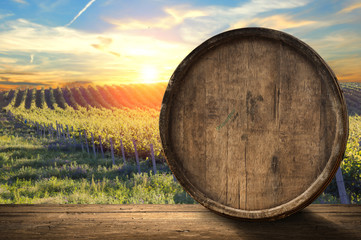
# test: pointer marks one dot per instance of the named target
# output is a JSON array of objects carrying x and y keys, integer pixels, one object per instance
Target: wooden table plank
[{"x": 171, "y": 222}]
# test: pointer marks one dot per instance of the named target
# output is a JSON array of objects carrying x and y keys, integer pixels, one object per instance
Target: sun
[{"x": 149, "y": 74}]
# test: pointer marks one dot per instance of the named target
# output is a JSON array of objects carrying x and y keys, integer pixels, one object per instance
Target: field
[
  {"x": 119, "y": 112},
  {"x": 33, "y": 173},
  {"x": 32, "y": 170}
]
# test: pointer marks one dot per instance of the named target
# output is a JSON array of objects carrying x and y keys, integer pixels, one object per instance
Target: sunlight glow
[{"x": 149, "y": 74}]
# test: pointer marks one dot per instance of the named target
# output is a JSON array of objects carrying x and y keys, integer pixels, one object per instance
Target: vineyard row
[
  {"x": 125, "y": 96},
  {"x": 66, "y": 137},
  {"x": 352, "y": 93}
]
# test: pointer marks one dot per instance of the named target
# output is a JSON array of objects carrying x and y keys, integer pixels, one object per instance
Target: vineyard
[
  {"x": 121, "y": 113},
  {"x": 120, "y": 120},
  {"x": 141, "y": 96},
  {"x": 352, "y": 93},
  {"x": 31, "y": 172},
  {"x": 132, "y": 96}
]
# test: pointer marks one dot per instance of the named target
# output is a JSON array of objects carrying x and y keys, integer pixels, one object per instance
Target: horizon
[
  {"x": 105, "y": 42},
  {"x": 85, "y": 85}
]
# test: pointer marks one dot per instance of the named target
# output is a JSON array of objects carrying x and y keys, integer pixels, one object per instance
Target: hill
[
  {"x": 121, "y": 96},
  {"x": 352, "y": 93},
  {"x": 131, "y": 96}
]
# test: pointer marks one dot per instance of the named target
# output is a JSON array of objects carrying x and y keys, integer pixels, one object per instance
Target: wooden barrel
[{"x": 253, "y": 124}]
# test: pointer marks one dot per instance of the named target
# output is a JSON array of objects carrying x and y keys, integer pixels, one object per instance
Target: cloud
[
  {"x": 76, "y": 83},
  {"x": 27, "y": 36},
  {"x": 51, "y": 6},
  {"x": 20, "y": 1},
  {"x": 17, "y": 73},
  {"x": 66, "y": 54},
  {"x": 15, "y": 83},
  {"x": 275, "y": 21},
  {"x": 80, "y": 13},
  {"x": 104, "y": 44},
  {"x": 173, "y": 17},
  {"x": 350, "y": 8},
  {"x": 341, "y": 50},
  {"x": 223, "y": 18},
  {"x": 196, "y": 24},
  {"x": 23, "y": 35},
  {"x": 217, "y": 16},
  {"x": 116, "y": 54},
  {"x": 337, "y": 44},
  {"x": 7, "y": 60},
  {"x": 254, "y": 7},
  {"x": 6, "y": 15},
  {"x": 179, "y": 14},
  {"x": 347, "y": 68}
]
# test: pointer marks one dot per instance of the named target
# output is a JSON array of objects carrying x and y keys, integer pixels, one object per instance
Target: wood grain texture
[
  {"x": 253, "y": 124},
  {"x": 171, "y": 222}
]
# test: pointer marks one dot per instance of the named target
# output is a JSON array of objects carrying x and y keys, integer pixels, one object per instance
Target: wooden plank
[
  {"x": 101, "y": 146},
  {"x": 112, "y": 150},
  {"x": 95, "y": 155},
  {"x": 262, "y": 180},
  {"x": 215, "y": 130},
  {"x": 44, "y": 129},
  {"x": 171, "y": 222},
  {"x": 86, "y": 141},
  {"x": 63, "y": 132},
  {"x": 57, "y": 130},
  {"x": 81, "y": 141},
  {"x": 102, "y": 208},
  {"x": 237, "y": 138},
  {"x": 341, "y": 187},
  {"x": 189, "y": 124},
  {"x": 67, "y": 131},
  {"x": 136, "y": 155},
  {"x": 153, "y": 160},
  {"x": 122, "y": 148}
]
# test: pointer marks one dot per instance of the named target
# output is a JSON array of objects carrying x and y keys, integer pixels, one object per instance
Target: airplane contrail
[{"x": 80, "y": 13}]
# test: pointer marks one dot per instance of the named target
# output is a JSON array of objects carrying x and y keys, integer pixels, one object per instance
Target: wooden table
[{"x": 171, "y": 222}]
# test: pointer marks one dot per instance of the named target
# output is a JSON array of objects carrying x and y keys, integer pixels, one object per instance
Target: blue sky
[{"x": 51, "y": 42}]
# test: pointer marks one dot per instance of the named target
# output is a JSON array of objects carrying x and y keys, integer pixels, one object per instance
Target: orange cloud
[
  {"x": 175, "y": 16},
  {"x": 7, "y": 84},
  {"x": 76, "y": 84},
  {"x": 70, "y": 55},
  {"x": 104, "y": 45},
  {"x": 350, "y": 8},
  {"x": 347, "y": 69},
  {"x": 85, "y": 59},
  {"x": 275, "y": 21},
  {"x": 179, "y": 14},
  {"x": 7, "y": 60},
  {"x": 17, "y": 73}
]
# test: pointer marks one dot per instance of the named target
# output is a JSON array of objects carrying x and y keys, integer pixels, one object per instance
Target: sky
[{"x": 56, "y": 42}]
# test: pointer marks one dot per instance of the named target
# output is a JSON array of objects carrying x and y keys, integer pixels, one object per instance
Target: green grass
[
  {"x": 31, "y": 173},
  {"x": 327, "y": 198},
  {"x": 350, "y": 166}
]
